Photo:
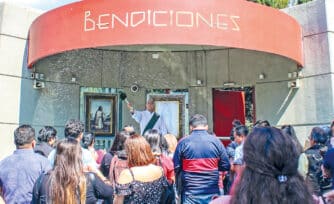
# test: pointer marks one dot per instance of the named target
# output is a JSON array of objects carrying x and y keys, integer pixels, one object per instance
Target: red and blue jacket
[{"x": 198, "y": 158}]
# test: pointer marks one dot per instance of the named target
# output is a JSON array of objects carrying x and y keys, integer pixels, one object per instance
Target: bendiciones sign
[
  {"x": 161, "y": 19},
  {"x": 218, "y": 23}
]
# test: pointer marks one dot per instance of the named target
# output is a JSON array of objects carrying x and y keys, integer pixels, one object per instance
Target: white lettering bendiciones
[{"x": 161, "y": 18}]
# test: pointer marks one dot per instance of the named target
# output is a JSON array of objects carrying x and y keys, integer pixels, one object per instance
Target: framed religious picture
[
  {"x": 100, "y": 111},
  {"x": 171, "y": 107}
]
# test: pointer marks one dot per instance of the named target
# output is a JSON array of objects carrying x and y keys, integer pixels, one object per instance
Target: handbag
[{"x": 168, "y": 193}]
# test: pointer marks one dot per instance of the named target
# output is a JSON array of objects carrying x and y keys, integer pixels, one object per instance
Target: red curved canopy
[{"x": 222, "y": 23}]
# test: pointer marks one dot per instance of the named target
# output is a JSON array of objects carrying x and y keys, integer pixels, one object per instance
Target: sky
[{"x": 44, "y": 5}]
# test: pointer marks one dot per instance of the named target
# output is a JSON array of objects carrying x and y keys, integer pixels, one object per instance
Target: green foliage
[
  {"x": 274, "y": 3},
  {"x": 279, "y": 4},
  {"x": 303, "y": 1}
]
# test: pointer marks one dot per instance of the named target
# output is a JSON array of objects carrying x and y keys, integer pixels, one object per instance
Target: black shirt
[{"x": 95, "y": 189}]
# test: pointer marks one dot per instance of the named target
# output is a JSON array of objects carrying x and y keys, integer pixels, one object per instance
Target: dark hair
[
  {"x": 198, "y": 120},
  {"x": 289, "y": 130},
  {"x": 330, "y": 131},
  {"x": 157, "y": 142},
  {"x": 236, "y": 123},
  {"x": 318, "y": 135},
  {"x": 139, "y": 151},
  {"x": 118, "y": 144},
  {"x": 46, "y": 134},
  {"x": 262, "y": 123},
  {"x": 67, "y": 176},
  {"x": 164, "y": 145},
  {"x": 24, "y": 134},
  {"x": 88, "y": 139},
  {"x": 150, "y": 100},
  {"x": 73, "y": 128},
  {"x": 241, "y": 130},
  {"x": 153, "y": 139},
  {"x": 270, "y": 174}
]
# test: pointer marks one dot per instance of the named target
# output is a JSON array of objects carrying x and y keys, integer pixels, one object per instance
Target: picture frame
[
  {"x": 100, "y": 113},
  {"x": 171, "y": 107}
]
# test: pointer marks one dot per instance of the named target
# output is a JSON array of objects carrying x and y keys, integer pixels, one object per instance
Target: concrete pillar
[{"x": 14, "y": 26}]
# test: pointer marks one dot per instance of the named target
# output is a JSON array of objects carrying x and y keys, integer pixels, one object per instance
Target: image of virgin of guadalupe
[{"x": 99, "y": 118}]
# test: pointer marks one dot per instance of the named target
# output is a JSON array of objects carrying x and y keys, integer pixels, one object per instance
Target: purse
[{"x": 168, "y": 194}]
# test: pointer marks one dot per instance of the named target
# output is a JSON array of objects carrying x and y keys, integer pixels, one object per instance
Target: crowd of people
[{"x": 262, "y": 164}]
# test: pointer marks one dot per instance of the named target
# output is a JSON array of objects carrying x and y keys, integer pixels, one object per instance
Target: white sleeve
[
  {"x": 137, "y": 115},
  {"x": 52, "y": 156}
]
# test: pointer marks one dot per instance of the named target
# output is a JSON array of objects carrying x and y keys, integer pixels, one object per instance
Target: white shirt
[
  {"x": 87, "y": 158},
  {"x": 143, "y": 117},
  {"x": 239, "y": 155}
]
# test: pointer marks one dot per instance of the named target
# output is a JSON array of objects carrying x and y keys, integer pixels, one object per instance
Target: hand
[
  {"x": 130, "y": 108},
  {"x": 329, "y": 197},
  {"x": 325, "y": 172}
]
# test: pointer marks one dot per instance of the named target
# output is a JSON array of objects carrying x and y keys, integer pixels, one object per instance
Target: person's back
[
  {"x": 74, "y": 131},
  {"x": 117, "y": 165},
  {"x": 157, "y": 142},
  {"x": 19, "y": 171},
  {"x": 67, "y": 182},
  {"x": 315, "y": 160},
  {"x": 97, "y": 189},
  {"x": 270, "y": 174},
  {"x": 202, "y": 149},
  {"x": 143, "y": 182},
  {"x": 46, "y": 139},
  {"x": 146, "y": 184},
  {"x": 315, "y": 155},
  {"x": 198, "y": 159}
]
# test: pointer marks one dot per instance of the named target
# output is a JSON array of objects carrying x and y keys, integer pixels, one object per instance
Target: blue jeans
[{"x": 198, "y": 199}]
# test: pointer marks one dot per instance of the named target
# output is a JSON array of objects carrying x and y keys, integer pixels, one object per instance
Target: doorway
[{"x": 230, "y": 104}]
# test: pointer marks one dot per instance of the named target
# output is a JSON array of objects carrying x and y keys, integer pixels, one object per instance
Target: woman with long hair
[
  {"x": 143, "y": 182},
  {"x": 88, "y": 141},
  {"x": 119, "y": 162},
  {"x": 172, "y": 143},
  {"x": 67, "y": 182},
  {"x": 115, "y": 154},
  {"x": 270, "y": 174},
  {"x": 156, "y": 142}
]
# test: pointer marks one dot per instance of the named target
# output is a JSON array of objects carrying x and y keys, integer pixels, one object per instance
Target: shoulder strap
[
  {"x": 160, "y": 164},
  {"x": 152, "y": 122},
  {"x": 133, "y": 177},
  {"x": 113, "y": 170}
]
